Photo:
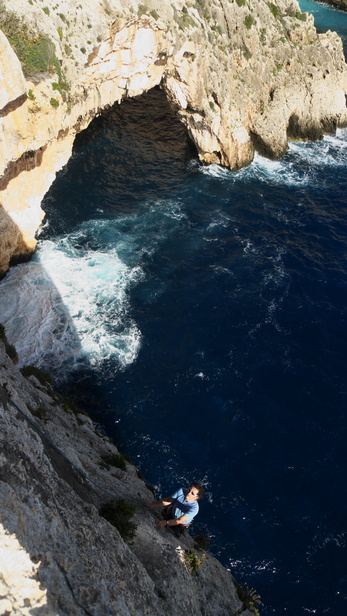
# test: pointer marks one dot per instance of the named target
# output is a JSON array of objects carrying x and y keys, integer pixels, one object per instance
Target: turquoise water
[
  {"x": 326, "y": 17},
  {"x": 200, "y": 315}
]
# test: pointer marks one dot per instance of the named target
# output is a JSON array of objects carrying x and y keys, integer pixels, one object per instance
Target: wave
[
  {"x": 301, "y": 165},
  {"x": 70, "y": 306}
]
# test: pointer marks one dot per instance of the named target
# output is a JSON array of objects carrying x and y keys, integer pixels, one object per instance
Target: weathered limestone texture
[
  {"x": 59, "y": 556},
  {"x": 242, "y": 75}
]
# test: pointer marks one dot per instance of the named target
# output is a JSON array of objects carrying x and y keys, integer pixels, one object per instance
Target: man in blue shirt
[{"x": 181, "y": 507}]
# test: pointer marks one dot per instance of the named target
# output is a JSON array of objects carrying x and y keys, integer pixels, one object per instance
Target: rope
[{"x": 54, "y": 446}]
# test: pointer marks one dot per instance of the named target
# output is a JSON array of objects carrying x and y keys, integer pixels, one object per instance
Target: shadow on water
[
  {"x": 108, "y": 183},
  {"x": 240, "y": 378},
  {"x": 150, "y": 129}
]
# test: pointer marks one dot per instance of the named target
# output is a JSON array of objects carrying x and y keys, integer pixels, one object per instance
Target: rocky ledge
[
  {"x": 242, "y": 76},
  {"x": 58, "y": 554}
]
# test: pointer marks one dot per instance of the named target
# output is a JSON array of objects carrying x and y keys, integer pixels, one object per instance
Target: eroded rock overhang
[{"x": 241, "y": 78}]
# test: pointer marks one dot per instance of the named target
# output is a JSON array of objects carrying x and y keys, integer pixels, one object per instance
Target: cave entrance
[
  {"x": 134, "y": 151},
  {"x": 114, "y": 205}
]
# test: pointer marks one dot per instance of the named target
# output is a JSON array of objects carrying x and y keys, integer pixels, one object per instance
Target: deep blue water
[{"x": 201, "y": 316}]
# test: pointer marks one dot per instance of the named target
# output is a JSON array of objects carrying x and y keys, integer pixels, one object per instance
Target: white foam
[
  {"x": 299, "y": 167},
  {"x": 216, "y": 171},
  {"x": 70, "y": 305}
]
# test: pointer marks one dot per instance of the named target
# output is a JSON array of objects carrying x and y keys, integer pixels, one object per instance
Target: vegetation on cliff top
[{"x": 36, "y": 52}]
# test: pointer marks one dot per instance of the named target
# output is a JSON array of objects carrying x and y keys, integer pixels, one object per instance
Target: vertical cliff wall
[
  {"x": 242, "y": 75},
  {"x": 58, "y": 554}
]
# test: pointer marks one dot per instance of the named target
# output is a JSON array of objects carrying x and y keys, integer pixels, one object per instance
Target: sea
[{"x": 199, "y": 315}]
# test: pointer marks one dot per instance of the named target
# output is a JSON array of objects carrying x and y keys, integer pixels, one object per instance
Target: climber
[{"x": 179, "y": 509}]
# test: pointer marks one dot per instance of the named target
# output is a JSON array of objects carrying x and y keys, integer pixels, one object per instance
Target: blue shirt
[{"x": 181, "y": 507}]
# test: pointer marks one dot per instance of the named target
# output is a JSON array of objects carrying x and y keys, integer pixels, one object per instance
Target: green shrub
[
  {"x": 40, "y": 412},
  {"x": 217, "y": 28},
  {"x": 142, "y": 10},
  {"x": 119, "y": 513},
  {"x": 54, "y": 102},
  {"x": 43, "y": 377},
  {"x": 250, "y": 599},
  {"x": 31, "y": 95},
  {"x": 114, "y": 460},
  {"x": 60, "y": 32},
  {"x": 36, "y": 52},
  {"x": 274, "y": 9},
  {"x": 61, "y": 86},
  {"x": 46, "y": 10},
  {"x": 155, "y": 14},
  {"x": 249, "y": 21},
  {"x": 201, "y": 541},
  {"x": 240, "y": 2},
  {"x": 301, "y": 16},
  {"x": 184, "y": 20},
  {"x": 247, "y": 53},
  {"x": 70, "y": 406},
  {"x": 83, "y": 50},
  {"x": 192, "y": 561}
]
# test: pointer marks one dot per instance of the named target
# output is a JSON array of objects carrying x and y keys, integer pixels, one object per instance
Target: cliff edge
[
  {"x": 59, "y": 554},
  {"x": 242, "y": 75}
]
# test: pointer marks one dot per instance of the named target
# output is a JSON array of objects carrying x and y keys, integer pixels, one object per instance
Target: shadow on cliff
[
  {"x": 133, "y": 153},
  {"x": 129, "y": 159},
  {"x": 113, "y": 168},
  {"x": 10, "y": 235},
  {"x": 32, "y": 309}
]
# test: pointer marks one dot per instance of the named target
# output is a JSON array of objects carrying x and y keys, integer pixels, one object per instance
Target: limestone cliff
[
  {"x": 59, "y": 556},
  {"x": 242, "y": 75}
]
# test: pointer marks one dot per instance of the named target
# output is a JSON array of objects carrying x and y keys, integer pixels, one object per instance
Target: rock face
[
  {"x": 59, "y": 556},
  {"x": 241, "y": 75}
]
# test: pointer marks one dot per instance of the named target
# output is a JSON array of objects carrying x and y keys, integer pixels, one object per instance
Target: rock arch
[{"x": 236, "y": 86}]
